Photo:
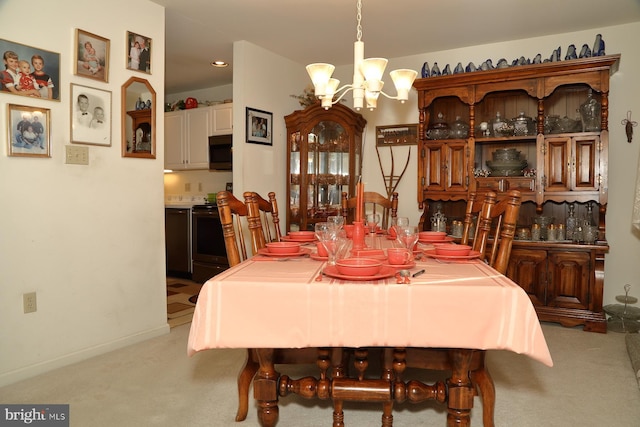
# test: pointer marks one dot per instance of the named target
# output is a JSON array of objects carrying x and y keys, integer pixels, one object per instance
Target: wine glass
[
  {"x": 332, "y": 239},
  {"x": 336, "y": 220},
  {"x": 400, "y": 221},
  {"x": 407, "y": 236},
  {"x": 373, "y": 219}
]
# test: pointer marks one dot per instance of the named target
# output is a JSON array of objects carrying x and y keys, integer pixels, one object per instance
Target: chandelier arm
[
  {"x": 388, "y": 96},
  {"x": 346, "y": 88}
]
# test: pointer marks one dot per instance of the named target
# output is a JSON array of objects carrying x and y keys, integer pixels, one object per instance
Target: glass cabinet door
[
  {"x": 327, "y": 169},
  {"x": 294, "y": 179}
]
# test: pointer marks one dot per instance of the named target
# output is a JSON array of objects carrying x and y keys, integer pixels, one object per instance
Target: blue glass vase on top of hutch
[{"x": 564, "y": 279}]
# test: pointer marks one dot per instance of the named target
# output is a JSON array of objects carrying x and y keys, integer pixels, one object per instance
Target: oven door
[{"x": 208, "y": 251}]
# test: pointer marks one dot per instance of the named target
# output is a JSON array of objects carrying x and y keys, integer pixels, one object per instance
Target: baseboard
[{"x": 78, "y": 356}]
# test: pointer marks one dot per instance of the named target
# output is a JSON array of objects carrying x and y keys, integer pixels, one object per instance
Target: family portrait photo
[
  {"x": 92, "y": 56},
  {"x": 138, "y": 52},
  {"x": 259, "y": 126},
  {"x": 28, "y": 131},
  {"x": 29, "y": 71},
  {"x": 90, "y": 115}
]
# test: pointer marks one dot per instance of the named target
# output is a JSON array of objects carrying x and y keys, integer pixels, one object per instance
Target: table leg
[
  {"x": 265, "y": 388},
  {"x": 460, "y": 396}
]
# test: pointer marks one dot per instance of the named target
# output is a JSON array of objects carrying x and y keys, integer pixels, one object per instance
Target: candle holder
[{"x": 358, "y": 235}]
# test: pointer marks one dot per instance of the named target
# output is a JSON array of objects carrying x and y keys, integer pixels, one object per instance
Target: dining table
[{"x": 271, "y": 302}]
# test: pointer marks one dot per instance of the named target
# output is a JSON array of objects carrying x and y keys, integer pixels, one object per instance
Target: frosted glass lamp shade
[
  {"x": 320, "y": 74},
  {"x": 403, "y": 80}
]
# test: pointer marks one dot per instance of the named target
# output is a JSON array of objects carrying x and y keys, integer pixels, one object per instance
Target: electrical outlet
[
  {"x": 187, "y": 186},
  {"x": 29, "y": 302}
]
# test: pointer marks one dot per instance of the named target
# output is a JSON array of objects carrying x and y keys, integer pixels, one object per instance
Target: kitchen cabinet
[
  {"x": 178, "y": 241},
  {"x": 221, "y": 119},
  {"x": 323, "y": 160},
  {"x": 554, "y": 118},
  {"x": 187, "y": 135},
  {"x": 186, "y": 139}
]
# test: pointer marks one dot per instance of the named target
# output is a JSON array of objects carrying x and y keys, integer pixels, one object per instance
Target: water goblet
[
  {"x": 400, "y": 221},
  {"x": 336, "y": 220},
  {"x": 407, "y": 236},
  {"x": 373, "y": 219}
]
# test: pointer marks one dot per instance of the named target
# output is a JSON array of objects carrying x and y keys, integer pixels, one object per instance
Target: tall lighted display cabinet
[
  {"x": 566, "y": 170},
  {"x": 323, "y": 160}
]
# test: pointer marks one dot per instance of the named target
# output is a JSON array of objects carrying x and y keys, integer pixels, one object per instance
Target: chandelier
[{"x": 367, "y": 77}]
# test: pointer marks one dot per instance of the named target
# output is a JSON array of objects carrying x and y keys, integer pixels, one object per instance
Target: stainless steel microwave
[{"x": 220, "y": 152}]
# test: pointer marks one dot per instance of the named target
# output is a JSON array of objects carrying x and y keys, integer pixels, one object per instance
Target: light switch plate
[{"x": 76, "y": 155}]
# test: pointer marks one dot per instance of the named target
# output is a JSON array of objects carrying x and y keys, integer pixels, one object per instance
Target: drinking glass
[
  {"x": 336, "y": 220},
  {"x": 407, "y": 236},
  {"x": 400, "y": 221},
  {"x": 373, "y": 220},
  {"x": 332, "y": 239}
]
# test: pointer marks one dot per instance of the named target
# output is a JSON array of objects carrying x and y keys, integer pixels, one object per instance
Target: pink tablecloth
[{"x": 275, "y": 304}]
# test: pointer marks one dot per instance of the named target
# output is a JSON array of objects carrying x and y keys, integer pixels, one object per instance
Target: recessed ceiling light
[{"x": 219, "y": 64}]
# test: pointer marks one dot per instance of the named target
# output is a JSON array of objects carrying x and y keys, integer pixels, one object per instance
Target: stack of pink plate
[
  {"x": 300, "y": 236},
  {"x": 359, "y": 269},
  {"x": 284, "y": 249},
  {"x": 434, "y": 237}
]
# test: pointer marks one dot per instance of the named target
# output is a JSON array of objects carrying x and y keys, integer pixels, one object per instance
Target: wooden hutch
[{"x": 566, "y": 170}]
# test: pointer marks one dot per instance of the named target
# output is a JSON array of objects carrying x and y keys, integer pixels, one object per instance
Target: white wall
[
  {"x": 257, "y": 167},
  {"x": 89, "y": 240}
]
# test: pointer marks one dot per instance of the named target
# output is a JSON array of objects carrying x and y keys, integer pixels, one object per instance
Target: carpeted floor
[{"x": 182, "y": 295}]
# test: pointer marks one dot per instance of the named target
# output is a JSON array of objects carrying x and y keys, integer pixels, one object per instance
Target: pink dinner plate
[
  {"x": 432, "y": 241},
  {"x": 432, "y": 253},
  {"x": 332, "y": 271},
  {"x": 298, "y": 239},
  {"x": 302, "y": 251},
  {"x": 318, "y": 257},
  {"x": 401, "y": 266}
]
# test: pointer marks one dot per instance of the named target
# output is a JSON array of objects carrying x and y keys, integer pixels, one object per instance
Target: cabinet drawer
[{"x": 503, "y": 184}]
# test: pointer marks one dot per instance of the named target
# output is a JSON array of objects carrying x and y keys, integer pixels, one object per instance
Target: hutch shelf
[
  {"x": 564, "y": 169},
  {"x": 323, "y": 160}
]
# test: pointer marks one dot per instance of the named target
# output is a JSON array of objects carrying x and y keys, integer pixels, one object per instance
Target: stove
[{"x": 209, "y": 255}]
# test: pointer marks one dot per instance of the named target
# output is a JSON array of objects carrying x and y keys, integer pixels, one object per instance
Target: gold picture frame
[
  {"x": 387, "y": 136},
  {"x": 29, "y": 131},
  {"x": 138, "y": 52},
  {"x": 91, "y": 56}
]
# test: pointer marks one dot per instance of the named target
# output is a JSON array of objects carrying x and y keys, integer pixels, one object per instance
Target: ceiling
[{"x": 306, "y": 31}]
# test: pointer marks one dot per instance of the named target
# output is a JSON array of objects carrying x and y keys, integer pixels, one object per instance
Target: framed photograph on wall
[
  {"x": 28, "y": 131},
  {"x": 138, "y": 50},
  {"x": 91, "y": 56},
  {"x": 90, "y": 115},
  {"x": 397, "y": 135},
  {"x": 259, "y": 127},
  {"x": 44, "y": 65}
]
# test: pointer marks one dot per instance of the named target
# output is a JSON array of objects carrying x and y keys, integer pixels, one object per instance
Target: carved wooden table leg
[
  {"x": 460, "y": 389},
  {"x": 482, "y": 379},
  {"x": 265, "y": 388}
]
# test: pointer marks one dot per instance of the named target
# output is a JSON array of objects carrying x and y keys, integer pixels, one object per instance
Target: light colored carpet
[{"x": 155, "y": 384}]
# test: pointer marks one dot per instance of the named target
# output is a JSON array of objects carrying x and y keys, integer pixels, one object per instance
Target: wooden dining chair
[
  {"x": 269, "y": 217},
  {"x": 373, "y": 203},
  {"x": 236, "y": 218},
  {"x": 494, "y": 235}
]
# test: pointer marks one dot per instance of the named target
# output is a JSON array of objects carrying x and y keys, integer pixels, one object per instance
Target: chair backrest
[
  {"x": 502, "y": 216},
  {"x": 269, "y": 217},
  {"x": 233, "y": 213},
  {"x": 373, "y": 203}
]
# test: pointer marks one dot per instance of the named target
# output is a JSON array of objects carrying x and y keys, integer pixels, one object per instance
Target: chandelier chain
[{"x": 359, "y": 19}]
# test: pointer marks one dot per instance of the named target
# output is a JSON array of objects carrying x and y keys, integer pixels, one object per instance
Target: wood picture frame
[
  {"x": 29, "y": 131},
  {"x": 259, "y": 127},
  {"x": 387, "y": 136},
  {"x": 91, "y": 56},
  {"x": 138, "y": 51},
  {"x": 48, "y": 72},
  {"x": 90, "y": 115}
]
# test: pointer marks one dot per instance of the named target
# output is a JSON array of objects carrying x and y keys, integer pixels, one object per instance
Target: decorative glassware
[
  {"x": 570, "y": 223},
  {"x": 438, "y": 220},
  {"x": 407, "y": 236},
  {"x": 590, "y": 114}
]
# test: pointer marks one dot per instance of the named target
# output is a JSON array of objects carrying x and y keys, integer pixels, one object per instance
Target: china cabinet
[
  {"x": 323, "y": 160},
  {"x": 541, "y": 129}
]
